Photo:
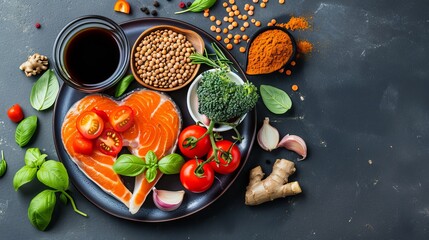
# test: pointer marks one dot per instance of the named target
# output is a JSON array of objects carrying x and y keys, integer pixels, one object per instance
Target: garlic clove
[
  {"x": 167, "y": 200},
  {"x": 294, "y": 143},
  {"x": 268, "y": 136}
]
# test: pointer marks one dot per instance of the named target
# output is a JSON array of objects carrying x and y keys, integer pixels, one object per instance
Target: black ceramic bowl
[{"x": 258, "y": 33}]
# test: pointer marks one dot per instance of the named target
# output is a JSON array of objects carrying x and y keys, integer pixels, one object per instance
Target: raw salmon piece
[
  {"x": 157, "y": 125},
  {"x": 97, "y": 166}
]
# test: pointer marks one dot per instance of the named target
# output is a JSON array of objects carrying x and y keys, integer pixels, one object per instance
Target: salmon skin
[{"x": 157, "y": 123}]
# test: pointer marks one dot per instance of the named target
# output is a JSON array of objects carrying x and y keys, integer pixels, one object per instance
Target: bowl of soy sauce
[{"x": 91, "y": 53}]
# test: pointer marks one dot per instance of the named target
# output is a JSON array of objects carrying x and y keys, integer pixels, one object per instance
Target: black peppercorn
[
  {"x": 154, "y": 13},
  {"x": 188, "y": 4},
  {"x": 143, "y": 9},
  {"x": 156, "y": 3}
]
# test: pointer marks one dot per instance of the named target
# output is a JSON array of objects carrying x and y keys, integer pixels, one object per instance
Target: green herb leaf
[
  {"x": 44, "y": 91},
  {"x": 3, "y": 165},
  {"x": 276, "y": 100},
  {"x": 34, "y": 158},
  {"x": 150, "y": 159},
  {"x": 25, "y": 130},
  {"x": 151, "y": 174},
  {"x": 171, "y": 163},
  {"x": 198, "y": 6},
  {"x": 41, "y": 209},
  {"x": 53, "y": 174},
  {"x": 63, "y": 198},
  {"x": 23, "y": 176},
  {"x": 129, "y": 165},
  {"x": 123, "y": 85}
]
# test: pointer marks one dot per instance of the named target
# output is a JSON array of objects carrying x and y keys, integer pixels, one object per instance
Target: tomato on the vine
[
  {"x": 15, "y": 113},
  {"x": 109, "y": 142},
  {"x": 196, "y": 177},
  {"x": 122, "y": 118},
  {"x": 83, "y": 145},
  {"x": 229, "y": 157},
  {"x": 90, "y": 125},
  {"x": 188, "y": 144}
]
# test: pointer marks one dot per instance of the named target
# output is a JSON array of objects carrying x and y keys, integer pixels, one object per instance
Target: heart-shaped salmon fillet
[{"x": 157, "y": 126}]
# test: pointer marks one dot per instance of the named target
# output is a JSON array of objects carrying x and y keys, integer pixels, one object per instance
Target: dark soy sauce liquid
[{"x": 92, "y": 56}]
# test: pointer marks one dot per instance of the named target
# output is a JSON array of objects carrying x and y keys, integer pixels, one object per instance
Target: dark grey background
[{"x": 362, "y": 108}]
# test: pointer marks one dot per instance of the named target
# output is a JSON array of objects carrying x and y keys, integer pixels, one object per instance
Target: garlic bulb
[
  {"x": 268, "y": 136},
  {"x": 294, "y": 143},
  {"x": 167, "y": 200}
]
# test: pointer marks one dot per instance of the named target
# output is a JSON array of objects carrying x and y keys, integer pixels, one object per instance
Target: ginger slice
[{"x": 34, "y": 65}]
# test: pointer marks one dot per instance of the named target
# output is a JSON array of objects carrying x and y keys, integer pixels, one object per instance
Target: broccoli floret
[{"x": 221, "y": 99}]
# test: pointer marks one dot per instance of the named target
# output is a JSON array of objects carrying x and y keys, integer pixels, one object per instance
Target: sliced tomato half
[
  {"x": 122, "y": 118},
  {"x": 101, "y": 113},
  {"x": 90, "y": 125},
  {"x": 109, "y": 143}
]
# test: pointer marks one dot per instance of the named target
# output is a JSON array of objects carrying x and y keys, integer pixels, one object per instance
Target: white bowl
[{"x": 192, "y": 102}]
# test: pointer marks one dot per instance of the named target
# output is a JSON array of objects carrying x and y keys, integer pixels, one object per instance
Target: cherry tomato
[
  {"x": 122, "y": 6},
  {"x": 90, "y": 125},
  {"x": 188, "y": 145},
  {"x": 101, "y": 114},
  {"x": 121, "y": 118},
  {"x": 83, "y": 146},
  {"x": 15, "y": 113},
  {"x": 196, "y": 178},
  {"x": 229, "y": 157},
  {"x": 109, "y": 143}
]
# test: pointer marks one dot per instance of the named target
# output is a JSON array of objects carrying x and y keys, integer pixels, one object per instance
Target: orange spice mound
[
  {"x": 295, "y": 23},
  {"x": 304, "y": 46}
]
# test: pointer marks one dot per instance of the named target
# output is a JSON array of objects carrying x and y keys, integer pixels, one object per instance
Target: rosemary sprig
[{"x": 214, "y": 60}]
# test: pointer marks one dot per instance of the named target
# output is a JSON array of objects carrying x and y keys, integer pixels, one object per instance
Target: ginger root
[
  {"x": 34, "y": 65},
  {"x": 274, "y": 186}
]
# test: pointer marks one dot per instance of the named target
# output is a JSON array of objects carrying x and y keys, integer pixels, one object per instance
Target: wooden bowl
[{"x": 193, "y": 37}]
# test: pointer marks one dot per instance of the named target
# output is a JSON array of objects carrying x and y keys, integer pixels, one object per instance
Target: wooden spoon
[{"x": 193, "y": 37}]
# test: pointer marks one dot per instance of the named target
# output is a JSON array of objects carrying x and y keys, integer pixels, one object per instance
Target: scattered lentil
[
  {"x": 262, "y": 5},
  {"x": 234, "y": 7},
  {"x": 236, "y": 41},
  {"x": 226, "y": 40},
  {"x": 230, "y": 27},
  {"x": 218, "y": 22},
  {"x": 250, "y": 12},
  {"x": 244, "y": 17},
  {"x": 229, "y": 46},
  {"x": 258, "y": 23},
  {"x": 218, "y": 30},
  {"x": 246, "y": 24},
  {"x": 212, "y": 28},
  {"x": 225, "y": 19},
  {"x": 228, "y": 9},
  {"x": 242, "y": 49},
  {"x": 255, "y": 1},
  {"x": 242, "y": 29},
  {"x": 225, "y": 30},
  {"x": 206, "y": 14},
  {"x": 294, "y": 87},
  {"x": 236, "y": 12},
  {"x": 218, "y": 37},
  {"x": 231, "y": 1},
  {"x": 281, "y": 1},
  {"x": 231, "y": 14},
  {"x": 245, "y": 37},
  {"x": 230, "y": 36},
  {"x": 251, "y": 7},
  {"x": 230, "y": 19},
  {"x": 212, "y": 18},
  {"x": 225, "y": 4},
  {"x": 246, "y": 7},
  {"x": 293, "y": 63},
  {"x": 288, "y": 72},
  {"x": 253, "y": 20},
  {"x": 234, "y": 24}
]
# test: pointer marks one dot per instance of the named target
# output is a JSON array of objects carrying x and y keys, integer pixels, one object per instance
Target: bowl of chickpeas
[{"x": 160, "y": 57}]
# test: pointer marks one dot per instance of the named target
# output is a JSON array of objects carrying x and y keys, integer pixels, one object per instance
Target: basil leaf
[
  {"x": 3, "y": 165},
  {"x": 171, "y": 163},
  {"x": 275, "y": 99},
  {"x": 63, "y": 198},
  {"x": 25, "y": 130},
  {"x": 41, "y": 208},
  {"x": 53, "y": 174},
  {"x": 23, "y": 176},
  {"x": 44, "y": 91},
  {"x": 34, "y": 158},
  {"x": 129, "y": 165},
  {"x": 123, "y": 85},
  {"x": 151, "y": 174},
  {"x": 150, "y": 159},
  {"x": 198, "y": 6}
]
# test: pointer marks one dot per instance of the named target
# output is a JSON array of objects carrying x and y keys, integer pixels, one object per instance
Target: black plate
[{"x": 149, "y": 212}]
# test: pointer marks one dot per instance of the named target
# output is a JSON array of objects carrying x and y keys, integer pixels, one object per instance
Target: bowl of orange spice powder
[{"x": 270, "y": 49}]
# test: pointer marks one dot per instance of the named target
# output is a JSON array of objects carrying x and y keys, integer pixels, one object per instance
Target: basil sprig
[
  {"x": 25, "y": 130},
  {"x": 3, "y": 164},
  {"x": 52, "y": 174},
  {"x": 44, "y": 91},
  {"x": 130, "y": 165},
  {"x": 123, "y": 85},
  {"x": 275, "y": 99},
  {"x": 198, "y": 6}
]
